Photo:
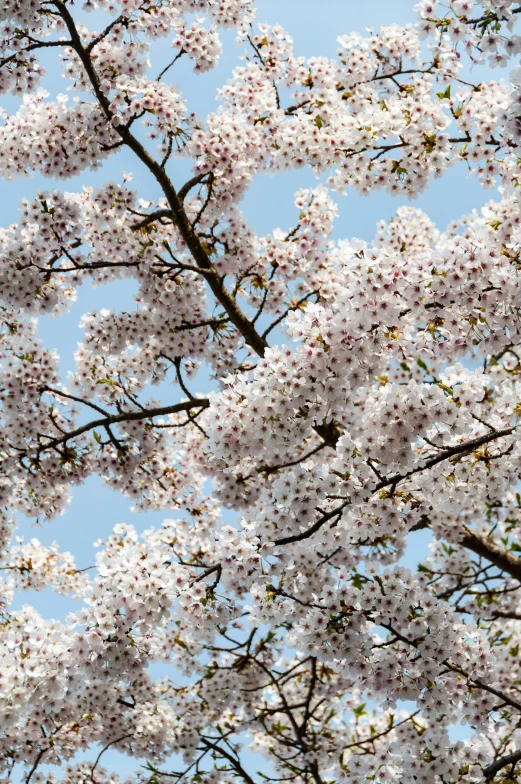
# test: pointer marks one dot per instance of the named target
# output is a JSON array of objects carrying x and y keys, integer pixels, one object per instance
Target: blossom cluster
[{"x": 299, "y": 406}]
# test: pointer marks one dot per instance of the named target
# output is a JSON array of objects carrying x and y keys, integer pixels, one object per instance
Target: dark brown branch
[
  {"x": 236, "y": 765},
  {"x": 476, "y": 682},
  {"x": 445, "y": 454},
  {"x": 130, "y": 416},
  {"x": 179, "y": 216},
  {"x": 102, "y": 752},
  {"x": 486, "y": 548},
  {"x": 170, "y": 64},
  {"x": 372, "y": 738},
  {"x": 187, "y": 187},
  {"x": 513, "y": 616},
  {"x": 30, "y": 48},
  {"x": 492, "y": 17},
  {"x": 396, "y": 478},
  {"x": 292, "y": 308},
  {"x": 36, "y": 763},
  {"x": 152, "y": 218},
  {"x": 118, "y": 20},
  {"x": 499, "y": 556},
  {"x": 314, "y": 528},
  {"x": 76, "y": 399},
  {"x": 509, "y": 759},
  {"x": 484, "y": 686},
  {"x": 211, "y": 570},
  {"x": 272, "y": 469}
]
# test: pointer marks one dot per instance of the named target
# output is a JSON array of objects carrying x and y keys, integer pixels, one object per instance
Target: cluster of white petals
[{"x": 298, "y": 405}]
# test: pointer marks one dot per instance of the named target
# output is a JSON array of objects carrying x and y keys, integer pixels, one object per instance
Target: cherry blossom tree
[{"x": 359, "y": 392}]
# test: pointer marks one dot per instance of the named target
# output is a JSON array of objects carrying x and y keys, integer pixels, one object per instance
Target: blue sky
[{"x": 269, "y": 203}]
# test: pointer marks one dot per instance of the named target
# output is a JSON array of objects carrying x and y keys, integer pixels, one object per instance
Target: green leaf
[
  {"x": 495, "y": 224},
  {"x": 358, "y": 581},
  {"x": 445, "y": 93},
  {"x": 318, "y": 121},
  {"x": 445, "y": 388}
]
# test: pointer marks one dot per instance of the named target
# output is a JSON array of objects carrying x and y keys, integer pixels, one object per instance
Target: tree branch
[
  {"x": 130, "y": 416},
  {"x": 152, "y": 218},
  {"x": 179, "y": 216},
  {"x": 237, "y": 767},
  {"x": 36, "y": 763},
  {"x": 499, "y": 556},
  {"x": 396, "y": 478},
  {"x": 509, "y": 759}
]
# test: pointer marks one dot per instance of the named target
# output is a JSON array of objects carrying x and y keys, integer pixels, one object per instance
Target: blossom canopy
[{"x": 325, "y": 400}]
